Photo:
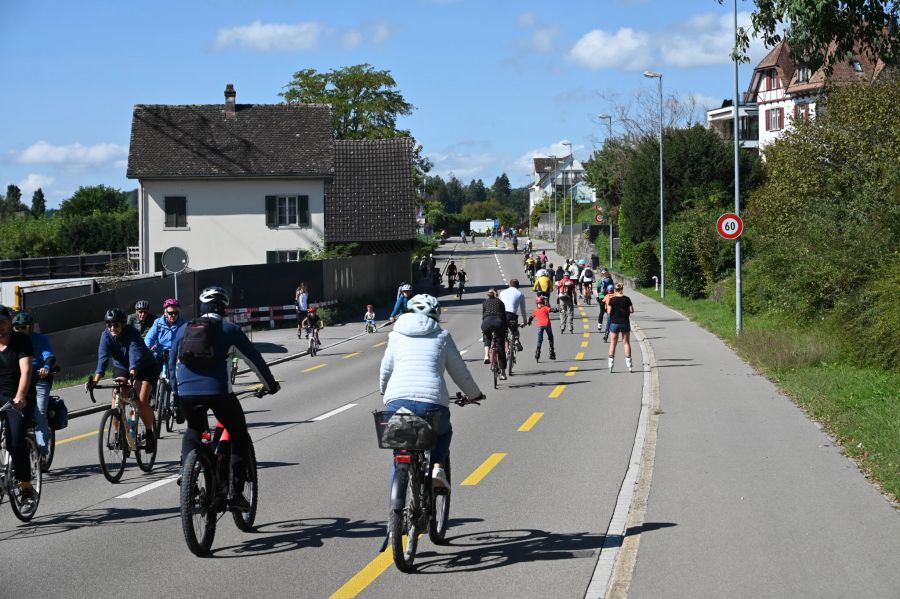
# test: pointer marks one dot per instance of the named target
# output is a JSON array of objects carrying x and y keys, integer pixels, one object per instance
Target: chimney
[{"x": 230, "y": 96}]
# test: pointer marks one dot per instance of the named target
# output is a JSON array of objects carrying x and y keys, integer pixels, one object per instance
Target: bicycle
[
  {"x": 586, "y": 293},
  {"x": 415, "y": 504},
  {"x": 314, "y": 343},
  {"x": 8, "y": 483},
  {"x": 510, "y": 352},
  {"x": 122, "y": 432},
  {"x": 234, "y": 366},
  {"x": 165, "y": 409},
  {"x": 206, "y": 482},
  {"x": 495, "y": 358},
  {"x": 460, "y": 288},
  {"x": 370, "y": 327}
]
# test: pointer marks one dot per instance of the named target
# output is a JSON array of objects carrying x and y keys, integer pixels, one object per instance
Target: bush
[
  {"x": 683, "y": 268},
  {"x": 871, "y": 321},
  {"x": 646, "y": 264}
]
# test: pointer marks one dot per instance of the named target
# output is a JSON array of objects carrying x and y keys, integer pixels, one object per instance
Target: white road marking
[
  {"x": 463, "y": 351},
  {"x": 146, "y": 488},
  {"x": 334, "y": 412}
]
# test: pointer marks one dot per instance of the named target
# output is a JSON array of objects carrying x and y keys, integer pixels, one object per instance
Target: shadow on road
[
  {"x": 52, "y": 524},
  {"x": 291, "y": 535},
  {"x": 270, "y": 348}
]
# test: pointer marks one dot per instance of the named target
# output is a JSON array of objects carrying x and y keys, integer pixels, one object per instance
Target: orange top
[{"x": 542, "y": 315}]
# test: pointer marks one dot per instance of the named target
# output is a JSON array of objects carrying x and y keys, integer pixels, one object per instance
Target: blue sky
[{"x": 495, "y": 82}]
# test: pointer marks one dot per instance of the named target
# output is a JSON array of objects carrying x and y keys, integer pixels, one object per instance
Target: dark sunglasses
[
  {"x": 20, "y": 327},
  {"x": 171, "y": 313},
  {"x": 112, "y": 325}
]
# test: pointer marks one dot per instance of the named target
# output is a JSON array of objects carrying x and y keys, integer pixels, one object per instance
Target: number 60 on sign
[{"x": 730, "y": 226}]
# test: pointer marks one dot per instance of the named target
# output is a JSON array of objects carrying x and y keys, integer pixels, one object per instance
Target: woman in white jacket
[{"x": 412, "y": 373}]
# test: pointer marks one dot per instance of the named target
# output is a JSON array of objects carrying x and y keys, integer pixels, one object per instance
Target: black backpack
[{"x": 200, "y": 347}]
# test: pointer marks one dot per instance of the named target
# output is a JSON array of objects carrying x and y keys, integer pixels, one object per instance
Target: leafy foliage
[
  {"x": 95, "y": 199},
  {"x": 646, "y": 264},
  {"x": 38, "y": 203},
  {"x": 11, "y": 204},
  {"x": 683, "y": 265}
]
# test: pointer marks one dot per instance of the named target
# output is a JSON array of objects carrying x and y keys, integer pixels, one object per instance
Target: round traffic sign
[
  {"x": 174, "y": 259},
  {"x": 598, "y": 207},
  {"x": 730, "y": 226},
  {"x": 599, "y": 218}
]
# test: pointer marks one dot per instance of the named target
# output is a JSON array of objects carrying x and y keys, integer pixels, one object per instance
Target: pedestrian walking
[
  {"x": 301, "y": 299},
  {"x": 619, "y": 310}
]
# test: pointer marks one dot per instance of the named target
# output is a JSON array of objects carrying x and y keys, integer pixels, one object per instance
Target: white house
[
  {"x": 558, "y": 176},
  {"x": 240, "y": 184},
  {"x": 721, "y": 120}
]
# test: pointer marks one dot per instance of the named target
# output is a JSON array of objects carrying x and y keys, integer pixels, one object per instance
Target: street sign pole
[{"x": 737, "y": 186}]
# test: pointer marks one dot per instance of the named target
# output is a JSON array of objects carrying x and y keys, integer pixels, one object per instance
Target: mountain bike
[
  {"x": 122, "y": 432},
  {"x": 164, "y": 405},
  {"x": 206, "y": 482},
  {"x": 415, "y": 505},
  {"x": 9, "y": 485},
  {"x": 314, "y": 343}
]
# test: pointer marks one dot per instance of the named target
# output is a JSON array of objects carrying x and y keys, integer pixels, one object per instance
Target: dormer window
[
  {"x": 803, "y": 74},
  {"x": 857, "y": 66},
  {"x": 771, "y": 79}
]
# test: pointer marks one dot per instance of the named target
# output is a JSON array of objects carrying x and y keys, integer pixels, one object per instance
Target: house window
[
  {"x": 803, "y": 74},
  {"x": 281, "y": 256},
  {"x": 287, "y": 211},
  {"x": 176, "y": 212},
  {"x": 857, "y": 66},
  {"x": 771, "y": 79},
  {"x": 801, "y": 112},
  {"x": 774, "y": 119}
]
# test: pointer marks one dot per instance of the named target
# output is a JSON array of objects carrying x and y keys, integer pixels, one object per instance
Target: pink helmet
[
  {"x": 539, "y": 300},
  {"x": 171, "y": 302}
]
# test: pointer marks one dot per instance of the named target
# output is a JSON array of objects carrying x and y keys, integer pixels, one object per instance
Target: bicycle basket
[{"x": 404, "y": 430}]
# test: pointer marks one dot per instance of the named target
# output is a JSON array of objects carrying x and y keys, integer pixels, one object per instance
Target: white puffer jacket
[{"x": 418, "y": 352}]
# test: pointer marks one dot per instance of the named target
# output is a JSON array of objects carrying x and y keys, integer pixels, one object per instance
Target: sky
[{"x": 494, "y": 82}]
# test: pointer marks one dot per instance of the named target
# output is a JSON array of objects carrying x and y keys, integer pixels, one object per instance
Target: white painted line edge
[
  {"x": 146, "y": 488},
  {"x": 615, "y": 532},
  {"x": 334, "y": 412}
]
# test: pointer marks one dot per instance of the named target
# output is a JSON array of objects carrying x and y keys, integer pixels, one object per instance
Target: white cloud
[
  {"x": 381, "y": 32},
  {"x": 526, "y": 20},
  {"x": 42, "y": 152},
  {"x": 705, "y": 101},
  {"x": 350, "y": 39},
  {"x": 706, "y": 39},
  {"x": 625, "y": 49},
  {"x": 267, "y": 37},
  {"x": 542, "y": 39},
  {"x": 31, "y": 183},
  {"x": 465, "y": 160},
  {"x": 525, "y": 164}
]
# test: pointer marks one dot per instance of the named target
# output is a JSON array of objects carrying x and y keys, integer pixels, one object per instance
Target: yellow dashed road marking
[
  {"x": 482, "y": 471},
  {"x": 557, "y": 391},
  {"x": 354, "y": 354},
  {"x": 529, "y": 424},
  {"x": 572, "y": 371},
  {"x": 316, "y": 367}
]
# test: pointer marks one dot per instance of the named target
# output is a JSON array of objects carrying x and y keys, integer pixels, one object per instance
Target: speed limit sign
[
  {"x": 599, "y": 218},
  {"x": 730, "y": 226},
  {"x": 598, "y": 207}
]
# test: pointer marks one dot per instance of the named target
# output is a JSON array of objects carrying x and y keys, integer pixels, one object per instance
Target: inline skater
[
  {"x": 542, "y": 314},
  {"x": 620, "y": 308},
  {"x": 565, "y": 298}
]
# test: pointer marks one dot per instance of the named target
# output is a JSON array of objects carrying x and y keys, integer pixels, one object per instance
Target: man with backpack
[{"x": 198, "y": 367}]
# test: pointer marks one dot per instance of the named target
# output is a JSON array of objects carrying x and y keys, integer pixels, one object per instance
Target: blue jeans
[
  {"x": 540, "y": 340},
  {"x": 42, "y": 430},
  {"x": 445, "y": 430}
]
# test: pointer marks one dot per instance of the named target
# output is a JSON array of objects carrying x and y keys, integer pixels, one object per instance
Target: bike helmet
[
  {"x": 581, "y": 262},
  {"x": 23, "y": 319},
  {"x": 142, "y": 305},
  {"x": 115, "y": 315},
  {"x": 312, "y": 309},
  {"x": 171, "y": 302},
  {"x": 539, "y": 300},
  {"x": 424, "y": 304},
  {"x": 216, "y": 296},
  {"x": 405, "y": 287}
]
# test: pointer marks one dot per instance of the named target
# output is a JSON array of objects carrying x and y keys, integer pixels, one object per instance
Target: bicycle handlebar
[
  {"x": 463, "y": 400},
  {"x": 117, "y": 383}
]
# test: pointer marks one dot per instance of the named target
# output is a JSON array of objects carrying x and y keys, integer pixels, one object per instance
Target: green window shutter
[
  {"x": 303, "y": 211},
  {"x": 270, "y": 211},
  {"x": 271, "y": 257}
]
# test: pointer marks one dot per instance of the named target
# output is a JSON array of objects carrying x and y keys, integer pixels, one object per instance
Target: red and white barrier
[{"x": 270, "y": 314}]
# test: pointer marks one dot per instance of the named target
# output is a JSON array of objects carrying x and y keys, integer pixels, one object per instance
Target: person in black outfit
[
  {"x": 619, "y": 309},
  {"x": 17, "y": 388},
  {"x": 142, "y": 319},
  {"x": 493, "y": 321}
]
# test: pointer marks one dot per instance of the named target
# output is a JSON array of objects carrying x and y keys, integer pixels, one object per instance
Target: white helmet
[
  {"x": 405, "y": 287},
  {"x": 424, "y": 304},
  {"x": 541, "y": 273},
  {"x": 215, "y": 295}
]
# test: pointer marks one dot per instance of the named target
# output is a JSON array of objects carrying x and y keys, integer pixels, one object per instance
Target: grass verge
[{"x": 859, "y": 407}]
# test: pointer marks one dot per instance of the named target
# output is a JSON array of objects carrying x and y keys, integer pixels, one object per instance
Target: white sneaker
[
  {"x": 611, "y": 362},
  {"x": 439, "y": 479}
]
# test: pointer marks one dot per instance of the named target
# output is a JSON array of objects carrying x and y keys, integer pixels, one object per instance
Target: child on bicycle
[
  {"x": 313, "y": 323},
  {"x": 370, "y": 317},
  {"x": 461, "y": 278},
  {"x": 542, "y": 314}
]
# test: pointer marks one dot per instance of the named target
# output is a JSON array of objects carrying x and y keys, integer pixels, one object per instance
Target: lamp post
[
  {"x": 567, "y": 186},
  {"x": 737, "y": 186},
  {"x": 552, "y": 171},
  {"x": 662, "y": 232},
  {"x": 608, "y": 119}
]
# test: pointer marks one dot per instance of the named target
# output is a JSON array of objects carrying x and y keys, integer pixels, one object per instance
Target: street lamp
[
  {"x": 608, "y": 119},
  {"x": 550, "y": 171},
  {"x": 567, "y": 186},
  {"x": 662, "y": 232}
]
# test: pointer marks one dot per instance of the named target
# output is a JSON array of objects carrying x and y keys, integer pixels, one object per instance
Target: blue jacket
[
  {"x": 42, "y": 351},
  {"x": 400, "y": 306},
  {"x": 126, "y": 351},
  {"x": 162, "y": 334},
  {"x": 187, "y": 382}
]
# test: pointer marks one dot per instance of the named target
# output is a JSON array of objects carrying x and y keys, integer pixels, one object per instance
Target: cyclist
[
  {"x": 313, "y": 322},
  {"x": 543, "y": 258},
  {"x": 451, "y": 275},
  {"x": 565, "y": 298},
  {"x": 586, "y": 280},
  {"x": 461, "y": 279},
  {"x": 402, "y": 300},
  {"x": 370, "y": 317},
  {"x": 543, "y": 285},
  {"x": 131, "y": 358},
  {"x": 619, "y": 308},
  {"x": 542, "y": 314},
  {"x": 44, "y": 360},
  {"x": 412, "y": 374},
  {"x": 17, "y": 387},
  {"x": 514, "y": 303},
  {"x": 142, "y": 318},
  {"x": 530, "y": 266},
  {"x": 163, "y": 330},
  {"x": 559, "y": 274},
  {"x": 493, "y": 322},
  {"x": 606, "y": 285},
  {"x": 203, "y": 385}
]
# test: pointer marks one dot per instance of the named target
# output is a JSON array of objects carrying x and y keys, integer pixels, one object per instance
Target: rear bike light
[{"x": 402, "y": 458}]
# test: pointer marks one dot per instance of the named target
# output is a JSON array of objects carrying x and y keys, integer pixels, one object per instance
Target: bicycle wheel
[
  {"x": 439, "y": 519},
  {"x": 234, "y": 369},
  {"x": 170, "y": 410},
  {"x": 312, "y": 345},
  {"x": 244, "y": 520},
  {"x": 22, "y": 512},
  {"x": 510, "y": 359},
  {"x": 51, "y": 451},
  {"x": 198, "y": 515},
  {"x": 495, "y": 366},
  {"x": 404, "y": 536},
  {"x": 145, "y": 460},
  {"x": 111, "y": 445},
  {"x": 161, "y": 406}
]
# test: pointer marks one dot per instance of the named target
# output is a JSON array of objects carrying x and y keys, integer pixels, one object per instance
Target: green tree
[
  {"x": 456, "y": 195},
  {"x": 476, "y": 191},
  {"x": 605, "y": 171},
  {"x": 95, "y": 199},
  {"x": 815, "y": 25},
  {"x": 38, "y": 203},
  {"x": 501, "y": 189},
  {"x": 12, "y": 203}
]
